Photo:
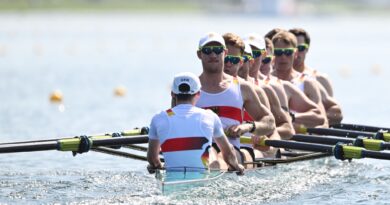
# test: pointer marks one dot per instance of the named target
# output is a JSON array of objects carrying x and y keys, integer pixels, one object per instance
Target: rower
[
  {"x": 227, "y": 96},
  {"x": 184, "y": 133},
  {"x": 332, "y": 108},
  {"x": 302, "y": 110},
  {"x": 233, "y": 61},
  {"x": 285, "y": 44},
  {"x": 283, "y": 123}
]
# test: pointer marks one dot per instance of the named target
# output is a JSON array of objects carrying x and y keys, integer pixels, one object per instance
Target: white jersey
[
  {"x": 228, "y": 105},
  {"x": 185, "y": 133}
]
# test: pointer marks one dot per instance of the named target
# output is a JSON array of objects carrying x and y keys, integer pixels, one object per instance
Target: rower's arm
[
  {"x": 263, "y": 119},
  {"x": 153, "y": 154},
  {"x": 307, "y": 113},
  {"x": 263, "y": 97},
  {"x": 228, "y": 152},
  {"x": 282, "y": 120},
  {"x": 324, "y": 81},
  {"x": 332, "y": 108}
]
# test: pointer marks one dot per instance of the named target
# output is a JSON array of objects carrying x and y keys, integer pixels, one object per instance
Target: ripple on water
[{"x": 324, "y": 180}]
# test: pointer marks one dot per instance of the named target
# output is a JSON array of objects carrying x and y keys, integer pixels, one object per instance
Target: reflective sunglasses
[
  {"x": 247, "y": 58},
  {"x": 209, "y": 49},
  {"x": 232, "y": 59},
  {"x": 285, "y": 51},
  {"x": 257, "y": 52},
  {"x": 302, "y": 47},
  {"x": 266, "y": 59}
]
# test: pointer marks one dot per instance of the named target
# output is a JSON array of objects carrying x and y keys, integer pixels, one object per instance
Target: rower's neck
[
  {"x": 254, "y": 73},
  {"x": 243, "y": 73},
  {"x": 300, "y": 68},
  {"x": 211, "y": 79},
  {"x": 284, "y": 74}
]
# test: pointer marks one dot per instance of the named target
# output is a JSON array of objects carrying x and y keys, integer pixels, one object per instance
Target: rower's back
[{"x": 185, "y": 133}]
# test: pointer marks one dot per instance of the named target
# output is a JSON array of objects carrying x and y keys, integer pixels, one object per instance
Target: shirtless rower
[
  {"x": 184, "y": 133},
  {"x": 283, "y": 123},
  {"x": 227, "y": 96},
  {"x": 302, "y": 110},
  {"x": 332, "y": 108},
  {"x": 285, "y": 44}
]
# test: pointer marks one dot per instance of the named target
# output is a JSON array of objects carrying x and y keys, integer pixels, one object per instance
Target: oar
[
  {"x": 366, "y": 128},
  {"x": 370, "y": 144},
  {"x": 340, "y": 151},
  {"x": 133, "y": 132},
  {"x": 345, "y": 133},
  {"x": 80, "y": 144}
]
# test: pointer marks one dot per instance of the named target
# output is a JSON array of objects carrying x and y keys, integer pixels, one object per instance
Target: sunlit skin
[
  {"x": 309, "y": 108},
  {"x": 233, "y": 69},
  {"x": 265, "y": 69},
  {"x": 332, "y": 108},
  {"x": 283, "y": 122},
  {"x": 214, "y": 80},
  {"x": 230, "y": 68}
]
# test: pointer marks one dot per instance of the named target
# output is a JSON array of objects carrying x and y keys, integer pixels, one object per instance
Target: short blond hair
[
  {"x": 285, "y": 37},
  {"x": 235, "y": 41},
  {"x": 273, "y": 32}
]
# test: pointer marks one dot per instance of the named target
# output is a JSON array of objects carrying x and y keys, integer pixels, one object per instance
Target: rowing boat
[{"x": 179, "y": 180}]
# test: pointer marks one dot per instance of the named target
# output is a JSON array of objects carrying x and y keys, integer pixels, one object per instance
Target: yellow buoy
[
  {"x": 376, "y": 69},
  {"x": 120, "y": 91},
  {"x": 56, "y": 96}
]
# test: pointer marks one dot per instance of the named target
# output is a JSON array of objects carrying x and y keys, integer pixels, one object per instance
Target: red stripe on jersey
[
  {"x": 247, "y": 117},
  {"x": 227, "y": 112},
  {"x": 183, "y": 144}
]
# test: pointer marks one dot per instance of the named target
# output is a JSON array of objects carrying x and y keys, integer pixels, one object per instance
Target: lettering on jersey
[{"x": 183, "y": 144}]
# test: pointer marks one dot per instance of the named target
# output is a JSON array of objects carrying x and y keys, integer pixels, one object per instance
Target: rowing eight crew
[{"x": 251, "y": 92}]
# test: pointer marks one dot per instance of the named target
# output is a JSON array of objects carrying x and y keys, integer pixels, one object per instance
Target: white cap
[
  {"x": 211, "y": 37},
  {"x": 186, "y": 78},
  {"x": 248, "y": 48},
  {"x": 255, "y": 40}
]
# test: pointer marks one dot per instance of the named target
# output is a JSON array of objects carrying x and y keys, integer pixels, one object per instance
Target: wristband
[{"x": 253, "y": 126}]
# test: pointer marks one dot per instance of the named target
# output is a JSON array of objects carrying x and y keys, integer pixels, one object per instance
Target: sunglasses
[
  {"x": 302, "y": 47},
  {"x": 266, "y": 59},
  {"x": 209, "y": 49},
  {"x": 247, "y": 58},
  {"x": 285, "y": 51},
  {"x": 232, "y": 59},
  {"x": 257, "y": 52}
]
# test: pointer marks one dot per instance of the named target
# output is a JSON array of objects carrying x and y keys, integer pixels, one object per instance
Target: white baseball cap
[
  {"x": 248, "y": 48},
  {"x": 211, "y": 37},
  {"x": 188, "y": 78},
  {"x": 255, "y": 40}
]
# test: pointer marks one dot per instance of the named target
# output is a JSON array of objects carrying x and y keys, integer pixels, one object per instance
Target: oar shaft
[
  {"x": 329, "y": 140},
  {"x": 299, "y": 145},
  {"x": 339, "y": 132},
  {"x": 29, "y": 147},
  {"x": 366, "y": 128},
  {"x": 375, "y": 155},
  {"x": 121, "y": 141}
]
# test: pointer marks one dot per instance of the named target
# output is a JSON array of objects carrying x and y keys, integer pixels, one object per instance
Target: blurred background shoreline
[{"x": 247, "y": 7}]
